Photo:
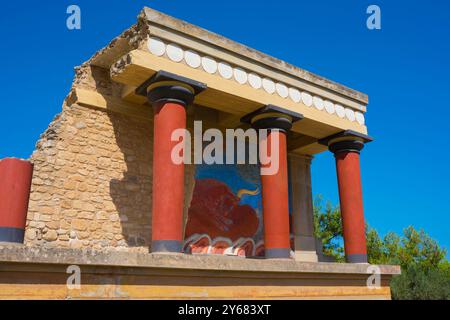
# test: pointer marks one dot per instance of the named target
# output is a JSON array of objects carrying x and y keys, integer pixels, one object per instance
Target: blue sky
[{"x": 404, "y": 68}]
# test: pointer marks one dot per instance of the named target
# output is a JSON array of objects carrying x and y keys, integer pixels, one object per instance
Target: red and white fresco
[{"x": 225, "y": 215}]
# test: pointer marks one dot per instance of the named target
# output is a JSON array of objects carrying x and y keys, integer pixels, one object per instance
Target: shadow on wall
[
  {"x": 132, "y": 195},
  {"x": 131, "y": 191}
]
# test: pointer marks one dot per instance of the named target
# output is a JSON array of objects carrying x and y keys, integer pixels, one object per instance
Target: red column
[
  {"x": 275, "y": 199},
  {"x": 277, "y": 122},
  {"x": 15, "y": 184},
  {"x": 170, "y": 95},
  {"x": 168, "y": 180},
  {"x": 352, "y": 211}
]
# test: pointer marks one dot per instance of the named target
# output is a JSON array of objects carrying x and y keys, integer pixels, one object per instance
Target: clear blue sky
[{"x": 404, "y": 68}]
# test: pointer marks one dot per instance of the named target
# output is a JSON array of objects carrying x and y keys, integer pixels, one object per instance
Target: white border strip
[{"x": 194, "y": 60}]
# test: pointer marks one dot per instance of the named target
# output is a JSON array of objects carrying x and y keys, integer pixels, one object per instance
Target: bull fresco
[{"x": 225, "y": 216}]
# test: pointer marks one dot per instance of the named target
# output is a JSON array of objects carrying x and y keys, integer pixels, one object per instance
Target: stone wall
[{"x": 92, "y": 182}]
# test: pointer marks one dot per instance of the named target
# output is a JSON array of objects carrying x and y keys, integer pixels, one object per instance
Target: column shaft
[
  {"x": 168, "y": 180},
  {"x": 275, "y": 198},
  {"x": 15, "y": 184},
  {"x": 170, "y": 95},
  {"x": 302, "y": 208},
  {"x": 275, "y": 183},
  {"x": 352, "y": 211}
]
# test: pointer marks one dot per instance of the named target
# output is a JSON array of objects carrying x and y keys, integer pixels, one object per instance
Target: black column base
[
  {"x": 166, "y": 246},
  {"x": 357, "y": 258},
  {"x": 12, "y": 235},
  {"x": 278, "y": 253}
]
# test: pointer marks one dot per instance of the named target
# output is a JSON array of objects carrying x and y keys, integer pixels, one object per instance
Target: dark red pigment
[{"x": 215, "y": 211}]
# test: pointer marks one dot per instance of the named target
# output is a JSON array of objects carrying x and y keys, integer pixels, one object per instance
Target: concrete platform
[{"x": 41, "y": 273}]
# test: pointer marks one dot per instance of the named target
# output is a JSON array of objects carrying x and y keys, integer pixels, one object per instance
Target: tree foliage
[
  {"x": 425, "y": 269},
  {"x": 328, "y": 228},
  {"x": 416, "y": 283}
]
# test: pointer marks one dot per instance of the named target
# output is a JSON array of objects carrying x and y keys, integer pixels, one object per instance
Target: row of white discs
[{"x": 194, "y": 60}]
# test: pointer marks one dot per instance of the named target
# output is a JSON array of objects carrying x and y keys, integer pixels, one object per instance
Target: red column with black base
[
  {"x": 15, "y": 184},
  {"x": 275, "y": 201},
  {"x": 347, "y": 155},
  {"x": 275, "y": 185},
  {"x": 169, "y": 95},
  {"x": 168, "y": 180}
]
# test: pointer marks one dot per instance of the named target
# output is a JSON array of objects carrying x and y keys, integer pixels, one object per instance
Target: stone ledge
[{"x": 39, "y": 255}]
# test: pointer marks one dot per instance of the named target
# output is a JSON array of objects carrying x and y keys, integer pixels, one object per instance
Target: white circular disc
[
  {"x": 255, "y": 80},
  {"x": 225, "y": 70},
  {"x": 156, "y": 46},
  {"x": 360, "y": 118},
  {"x": 268, "y": 85},
  {"x": 350, "y": 114},
  {"x": 282, "y": 90},
  {"x": 318, "y": 103},
  {"x": 192, "y": 59},
  {"x": 307, "y": 99},
  {"x": 240, "y": 75},
  {"x": 340, "y": 110},
  {"x": 174, "y": 52},
  {"x": 295, "y": 95},
  {"x": 209, "y": 65},
  {"x": 329, "y": 107}
]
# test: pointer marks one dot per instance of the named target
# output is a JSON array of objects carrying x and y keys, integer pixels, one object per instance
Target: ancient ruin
[{"x": 106, "y": 197}]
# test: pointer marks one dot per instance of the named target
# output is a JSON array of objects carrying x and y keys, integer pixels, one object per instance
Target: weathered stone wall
[{"x": 92, "y": 182}]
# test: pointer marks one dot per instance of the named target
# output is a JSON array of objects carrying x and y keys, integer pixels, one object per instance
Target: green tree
[
  {"x": 425, "y": 270},
  {"x": 420, "y": 249},
  {"x": 375, "y": 249},
  {"x": 391, "y": 247},
  {"x": 416, "y": 283},
  {"x": 445, "y": 268},
  {"x": 328, "y": 228}
]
